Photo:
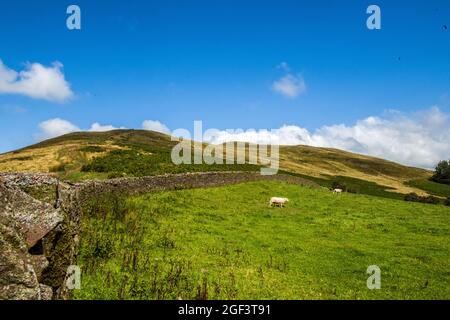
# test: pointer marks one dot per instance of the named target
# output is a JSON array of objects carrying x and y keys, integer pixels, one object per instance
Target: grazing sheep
[
  {"x": 279, "y": 202},
  {"x": 338, "y": 191}
]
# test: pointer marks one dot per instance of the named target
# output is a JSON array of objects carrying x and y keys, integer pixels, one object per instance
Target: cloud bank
[
  {"x": 157, "y": 126},
  {"x": 420, "y": 139},
  {"x": 97, "y": 127},
  {"x": 57, "y": 127},
  {"x": 36, "y": 81}
]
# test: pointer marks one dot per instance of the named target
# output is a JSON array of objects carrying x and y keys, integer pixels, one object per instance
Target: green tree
[{"x": 442, "y": 172}]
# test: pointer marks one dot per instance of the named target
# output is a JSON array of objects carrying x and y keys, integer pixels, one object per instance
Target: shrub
[
  {"x": 352, "y": 190},
  {"x": 59, "y": 168},
  {"x": 414, "y": 197},
  {"x": 336, "y": 184},
  {"x": 114, "y": 175},
  {"x": 442, "y": 172},
  {"x": 166, "y": 242},
  {"x": 447, "y": 202},
  {"x": 430, "y": 200},
  {"x": 92, "y": 149},
  {"x": 102, "y": 249}
]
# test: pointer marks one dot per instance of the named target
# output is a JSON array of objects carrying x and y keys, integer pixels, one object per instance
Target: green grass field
[
  {"x": 354, "y": 185},
  {"x": 226, "y": 243}
]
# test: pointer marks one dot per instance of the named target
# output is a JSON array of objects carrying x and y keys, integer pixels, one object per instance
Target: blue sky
[{"x": 218, "y": 61}]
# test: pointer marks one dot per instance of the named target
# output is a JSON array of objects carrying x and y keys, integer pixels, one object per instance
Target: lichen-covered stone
[
  {"x": 33, "y": 218},
  {"x": 18, "y": 280},
  {"x": 24, "y": 223},
  {"x": 39, "y": 264},
  {"x": 46, "y": 292}
]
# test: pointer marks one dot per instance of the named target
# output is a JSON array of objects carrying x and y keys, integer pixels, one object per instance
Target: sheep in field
[
  {"x": 279, "y": 202},
  {"x": 338, "y": 191}
]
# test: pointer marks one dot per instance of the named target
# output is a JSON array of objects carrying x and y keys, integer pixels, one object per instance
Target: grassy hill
[
  {"x": 187, "y": 244},
  {"x": 121, "y": 153}
]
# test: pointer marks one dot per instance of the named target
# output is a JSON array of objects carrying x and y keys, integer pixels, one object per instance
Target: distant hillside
[
  {"x": 328, "y": 162},
  {"x": 101, "y": 155}
]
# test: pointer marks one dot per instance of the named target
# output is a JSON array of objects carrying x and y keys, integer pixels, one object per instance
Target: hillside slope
[
  {"x": 328, "y": 162},
  {"x": 86, "y": 155}
]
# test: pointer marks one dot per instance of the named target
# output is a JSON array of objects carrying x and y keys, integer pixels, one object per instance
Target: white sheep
[
  {"x": 338, "y": 191},
  {"x": 280, "y": 202}
]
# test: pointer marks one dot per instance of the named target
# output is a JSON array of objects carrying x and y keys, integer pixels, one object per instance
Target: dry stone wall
[{"x": 179, "y": 181}]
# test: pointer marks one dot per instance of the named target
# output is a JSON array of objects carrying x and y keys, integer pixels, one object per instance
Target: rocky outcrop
[
  {"x": 27, "y": 225},
  {"x": 33, "y": 218},
  {"x": 18, "y": 279}
]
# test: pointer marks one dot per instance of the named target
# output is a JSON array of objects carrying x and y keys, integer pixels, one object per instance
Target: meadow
[{"x": 226, "y": 243}]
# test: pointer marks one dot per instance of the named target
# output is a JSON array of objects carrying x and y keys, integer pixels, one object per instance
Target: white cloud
[
  {"x": 57, "y": 127},
  {"x": 420, "y": 139},
  {"x": 54, "y": 128},
  {"x": 290, "y": 86},
  {"x": 36, "y": 81},
  {"x": 157, "y": 126},
  {"x": 97, "y": 127}
]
